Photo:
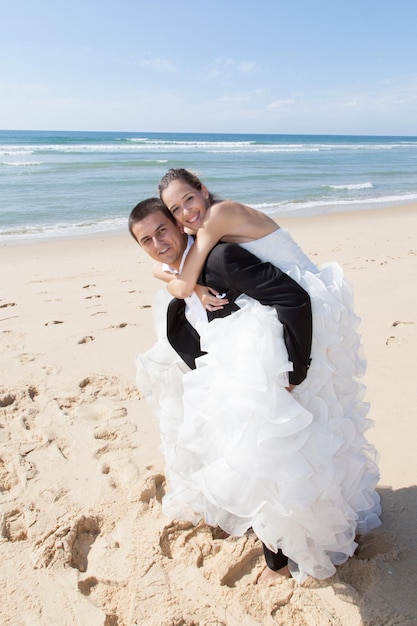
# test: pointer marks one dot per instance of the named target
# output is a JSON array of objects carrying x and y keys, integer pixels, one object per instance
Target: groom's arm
[{"x": 233, "y": 269}]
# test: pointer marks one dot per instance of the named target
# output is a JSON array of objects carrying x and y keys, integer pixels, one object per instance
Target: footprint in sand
[
  {"x": 8, "y": 475},
  {"x": 15, "y": 472},
  {"x": 175, "y": 533},
  {"x": 103, "y": 432},
  {"x": 91, "y": 408},
  {"x": 124, "y": 476},
  {"x": 17, "y": 398},
  {"x": 152, "y": 487},
  {"x": 7, "y": 399},
  {"x": 67, "y": 403},
  {"x": 372, "y": 544},
  {"x": 68, "y": 542},
  {"x": 17, "y": 407},
  {"x": 113, "y": 438},
  {"x": 14, "y": 526},
  {"x": 29, "y": 358},
  {"x": 54, "y": 322},
  {"x": 229, "y": 561},
  {"x": 393, "y": 338},
  {"x": 28, "y": 419},
  {"x": 86, "y": 339},
  {"x": 86, "y": 532},
  {"x": 97, "y": 384},
  {"x": 7, "y": 304}
]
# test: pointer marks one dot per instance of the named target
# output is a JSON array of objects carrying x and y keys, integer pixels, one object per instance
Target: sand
[{"x": 83, "y": 539}]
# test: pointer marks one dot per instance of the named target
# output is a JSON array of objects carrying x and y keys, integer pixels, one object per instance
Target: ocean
[{"x": 63, "y": 184}]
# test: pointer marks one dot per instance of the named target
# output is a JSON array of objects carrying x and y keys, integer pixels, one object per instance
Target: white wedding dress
[{"x": 242, "y": 452}]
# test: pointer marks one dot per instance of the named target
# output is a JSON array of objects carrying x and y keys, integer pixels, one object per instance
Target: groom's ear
[{"x": 181, "y": 228}]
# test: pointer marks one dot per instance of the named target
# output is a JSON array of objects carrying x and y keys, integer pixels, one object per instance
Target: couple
[{"x": 241, "y": 451}]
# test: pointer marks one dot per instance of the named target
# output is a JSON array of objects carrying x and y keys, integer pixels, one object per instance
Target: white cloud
[
  {"x": 277, "y": 104},
  {"x": 159, "y": 65},
  {"x": 248, "y": 67},
  {"x": 235, "y": 99},
  {"x": 225, "y": 68}
]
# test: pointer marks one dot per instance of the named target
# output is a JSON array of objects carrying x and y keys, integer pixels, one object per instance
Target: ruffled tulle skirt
[{"x": 244, "y": 453}]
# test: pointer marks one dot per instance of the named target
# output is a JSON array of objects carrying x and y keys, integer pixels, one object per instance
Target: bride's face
[{"x": 187, "y": 205}]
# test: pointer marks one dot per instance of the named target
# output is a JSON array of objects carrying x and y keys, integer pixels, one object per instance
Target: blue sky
[{"x": 265, "y": 66}]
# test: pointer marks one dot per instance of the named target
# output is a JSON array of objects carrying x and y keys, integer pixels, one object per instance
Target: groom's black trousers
[{"x": 275, "y": 561}]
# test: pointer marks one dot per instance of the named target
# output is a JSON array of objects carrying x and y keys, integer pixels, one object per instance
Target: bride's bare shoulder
[{"x": 228, "y": 206}]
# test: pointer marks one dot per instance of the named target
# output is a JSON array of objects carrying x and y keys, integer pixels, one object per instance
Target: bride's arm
[
  {"x": 183, "y": 284},
  {"x": 220, "y": 219},
  {"x": 161, "y": 274},
  {"x": 207, "y": 295}
]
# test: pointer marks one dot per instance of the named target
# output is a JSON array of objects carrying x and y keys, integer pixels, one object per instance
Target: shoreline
[
  {"x": 121, "y": 231},
  {"x": 80, "y": 468}
]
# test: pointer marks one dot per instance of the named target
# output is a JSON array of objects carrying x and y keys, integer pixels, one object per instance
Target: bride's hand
[{"x": 209, "y": 299}]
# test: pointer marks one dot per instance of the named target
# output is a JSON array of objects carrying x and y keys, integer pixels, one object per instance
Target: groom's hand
[{"x": 211, "y": 299}]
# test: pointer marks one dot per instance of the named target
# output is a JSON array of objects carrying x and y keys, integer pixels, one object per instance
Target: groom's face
[{"x": 161, "y": 238}]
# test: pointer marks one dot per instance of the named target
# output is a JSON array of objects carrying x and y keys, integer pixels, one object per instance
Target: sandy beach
[{"x": 83, "y": 539}]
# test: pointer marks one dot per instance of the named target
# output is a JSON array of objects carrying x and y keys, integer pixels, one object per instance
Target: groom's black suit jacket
[{"x": 233, "y": 270}]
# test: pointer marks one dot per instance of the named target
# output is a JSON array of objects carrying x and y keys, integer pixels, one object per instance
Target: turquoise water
[{"x": 74, "y": 183}]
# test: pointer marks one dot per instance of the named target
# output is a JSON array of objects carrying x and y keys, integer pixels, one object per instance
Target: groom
[{"x": 230, "y": 270}]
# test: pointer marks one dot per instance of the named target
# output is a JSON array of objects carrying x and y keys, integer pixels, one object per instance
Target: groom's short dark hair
[{"x": 145, "y": 208}]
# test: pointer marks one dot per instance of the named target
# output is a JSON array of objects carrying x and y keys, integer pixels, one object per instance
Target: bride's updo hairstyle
[{"x": 179, "y": 173}]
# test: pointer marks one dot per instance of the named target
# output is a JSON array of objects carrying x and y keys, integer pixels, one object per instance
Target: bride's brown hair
[{"x": 179, "y": 173}]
